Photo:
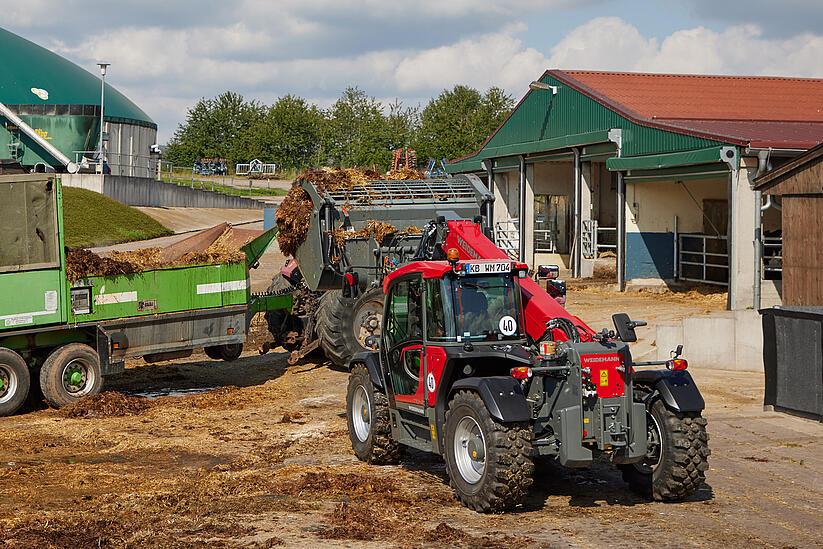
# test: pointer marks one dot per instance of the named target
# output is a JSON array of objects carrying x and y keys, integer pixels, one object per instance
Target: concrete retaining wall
[
  {"x": 728, "y": 340},
  {"x": 141, "y": 191}
]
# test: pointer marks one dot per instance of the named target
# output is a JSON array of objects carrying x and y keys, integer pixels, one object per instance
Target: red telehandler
[{"x": 453, "y": 349}]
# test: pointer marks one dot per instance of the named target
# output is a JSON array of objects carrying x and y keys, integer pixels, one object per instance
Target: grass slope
[{"x": 91, "y": 219}]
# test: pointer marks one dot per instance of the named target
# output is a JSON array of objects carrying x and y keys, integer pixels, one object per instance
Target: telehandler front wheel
[
  {"x": 677, "y": 459},
  {"x": 489, "y": 463},
  {"x": 69, "y": 374},
  {"x": 15, "y": 381},
  {"x": 369, "y": 421}
]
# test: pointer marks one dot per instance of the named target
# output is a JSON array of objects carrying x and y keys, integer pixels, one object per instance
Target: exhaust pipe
[{"x": 71, "y": 166}]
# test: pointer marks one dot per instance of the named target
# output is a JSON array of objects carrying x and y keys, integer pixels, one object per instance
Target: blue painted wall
[{"x": 649, "y": 255}]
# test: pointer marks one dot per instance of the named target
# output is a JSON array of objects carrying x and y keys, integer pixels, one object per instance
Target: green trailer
[{"x": 68, "y": 335}]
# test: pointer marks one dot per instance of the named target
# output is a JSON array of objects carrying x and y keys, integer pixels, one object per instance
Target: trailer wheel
[
  {"x": 369, "y": 421},
  {"x": 15, "y": 381},
  {"x": 345, "y": 324},
  {"x": 489, "y": 463},
  {"x": 676, "y": 463},
  {"x": 70, "y": 373},
  {"x": 229, "y": 352}
]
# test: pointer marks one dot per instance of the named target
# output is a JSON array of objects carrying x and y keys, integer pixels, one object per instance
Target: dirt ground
[{"x": 262, "y": 459}]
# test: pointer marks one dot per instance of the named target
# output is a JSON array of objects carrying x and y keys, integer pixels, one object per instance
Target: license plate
[{"x": 487, "y": 268}]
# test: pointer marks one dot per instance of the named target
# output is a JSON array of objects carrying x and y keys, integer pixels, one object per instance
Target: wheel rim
[
  {"x": 8, "y": 383},
  {"x": 654, "y": 445},
  {"x": 470, "y": 450},
  {"x": 361, "y": 413},
  {"x": 367, "y": 322},
  {"x": 78, "y": 378}
]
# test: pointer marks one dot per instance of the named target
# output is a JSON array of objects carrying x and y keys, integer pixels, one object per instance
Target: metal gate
[
  {"x": 703, "y": 258},
  {"x": 588, "y": 239}
]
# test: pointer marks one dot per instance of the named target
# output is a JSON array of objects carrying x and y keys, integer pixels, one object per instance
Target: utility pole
[{"x": 103, "y": 67}]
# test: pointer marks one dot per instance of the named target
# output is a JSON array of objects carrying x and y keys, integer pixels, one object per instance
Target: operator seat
[{"x": 474, "y": 307}]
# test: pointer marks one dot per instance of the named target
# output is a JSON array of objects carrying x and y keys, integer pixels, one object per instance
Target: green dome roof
[{"x": 33, "y": 75}]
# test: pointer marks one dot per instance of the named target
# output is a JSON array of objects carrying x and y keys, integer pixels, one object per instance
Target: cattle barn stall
[{"x": 799, "y": 187}]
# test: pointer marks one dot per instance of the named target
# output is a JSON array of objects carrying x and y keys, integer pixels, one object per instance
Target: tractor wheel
[
  {"x": 489, "y": 463},
  {"x": 369, "y": 421},
  {"x": 229, "y": 352},
  {"x": 344, "y": 324},
  {"x": 15, "y": 381},
  {"x": 280, "y": 323},
  {"x": 69, "y": 374},
  {"x": 677, "y": 459}
]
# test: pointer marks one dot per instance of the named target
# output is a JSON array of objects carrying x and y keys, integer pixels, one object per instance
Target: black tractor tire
[
  {"x": 681, "y": 468},
  {"x": 70, "y": 373},
  {"x": 507, "y": 471},
  {"x": 369, "y": 420},
  {"x": 336, "y": 319},
  {"x": 229, "y": 352},
  {"x": 15, "y": 382}
]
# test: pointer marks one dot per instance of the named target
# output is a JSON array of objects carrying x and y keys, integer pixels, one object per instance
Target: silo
[{"x": 61, "y": 102}]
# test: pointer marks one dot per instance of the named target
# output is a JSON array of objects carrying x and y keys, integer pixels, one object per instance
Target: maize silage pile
[
  {"x": 217, "y": 245},
  {"x": 294, "y": 213}
]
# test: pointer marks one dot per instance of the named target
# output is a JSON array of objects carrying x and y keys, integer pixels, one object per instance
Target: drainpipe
[
  {"x": 578, "y": 192},
  {"x": 762, "y": 167},
  {"x": 621, "y": 232},
  {"x": 521, "y": 213},
  {"x": 71, "y": 166}
]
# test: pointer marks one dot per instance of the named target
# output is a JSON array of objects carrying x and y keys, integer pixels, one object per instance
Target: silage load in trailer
[{"x": 219, "y": 245}]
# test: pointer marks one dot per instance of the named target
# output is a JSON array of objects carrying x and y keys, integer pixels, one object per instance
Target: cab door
[{"x": 403, "y": 356}]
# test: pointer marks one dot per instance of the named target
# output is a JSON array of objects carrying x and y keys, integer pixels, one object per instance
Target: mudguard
[
  {"x": 372, "y": 362},
  {"x": 677, "y": 388},
  {"x": 502, "y": 395}
]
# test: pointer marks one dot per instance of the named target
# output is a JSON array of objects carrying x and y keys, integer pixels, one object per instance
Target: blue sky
[{"x": 166, "y": 54}]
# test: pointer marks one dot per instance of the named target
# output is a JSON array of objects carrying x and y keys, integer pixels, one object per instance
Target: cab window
[{"x": 404, "y": 320}]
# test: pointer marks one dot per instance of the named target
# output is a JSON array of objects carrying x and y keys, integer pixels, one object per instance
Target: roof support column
[
  {"x": 621, "y": 232},
  {"x": 521, "y": 212},
  {"x": 489, "y": 164},
  {"x": 577, "y": 226}
]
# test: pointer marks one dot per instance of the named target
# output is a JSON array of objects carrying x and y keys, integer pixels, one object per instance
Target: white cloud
[{"x": 609, "y": 43}]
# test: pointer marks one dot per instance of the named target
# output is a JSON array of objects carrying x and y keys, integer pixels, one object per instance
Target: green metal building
[
  {"x": 656, "y": 168},
  {"x": 61, "y": 102}
]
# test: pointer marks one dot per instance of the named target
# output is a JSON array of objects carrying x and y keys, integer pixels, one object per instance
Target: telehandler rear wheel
[
  {"x": 676, "y": 463},
  {"x": 15, "y": 381},
  {"x": 69, "y": 374},
  {"x": 368, "y": 418},
  {"x": 489, "y": 463},
  {"x": 344, "y": 324}
]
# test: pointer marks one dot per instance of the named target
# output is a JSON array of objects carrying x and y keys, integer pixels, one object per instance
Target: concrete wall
[
  {"x": 140, "y": 191},
  {"x": 728, "y": 340}
]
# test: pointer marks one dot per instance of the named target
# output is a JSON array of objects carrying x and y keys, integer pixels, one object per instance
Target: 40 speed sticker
[
  {"x": 508, "y": 325},
  {"x": 431, "y": 385}
]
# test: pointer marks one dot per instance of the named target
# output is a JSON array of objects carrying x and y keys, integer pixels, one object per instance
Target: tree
[
  {"x": 458, "y": 121},
  {"x": 215, "y": 128},
  {"x": 289, "y": 134},
  {"x": 357, "y": 133}
]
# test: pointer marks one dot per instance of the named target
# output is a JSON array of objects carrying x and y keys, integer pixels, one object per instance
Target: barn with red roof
[{"x": 655, "y": 170}]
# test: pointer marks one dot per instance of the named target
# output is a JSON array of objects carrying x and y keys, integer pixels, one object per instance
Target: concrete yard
[{"x": 261, "y": 458}]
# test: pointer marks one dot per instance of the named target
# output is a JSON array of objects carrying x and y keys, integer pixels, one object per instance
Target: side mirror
[
  {"x": 551, "y": 272},
  {"x": 625, "y": 327}
]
